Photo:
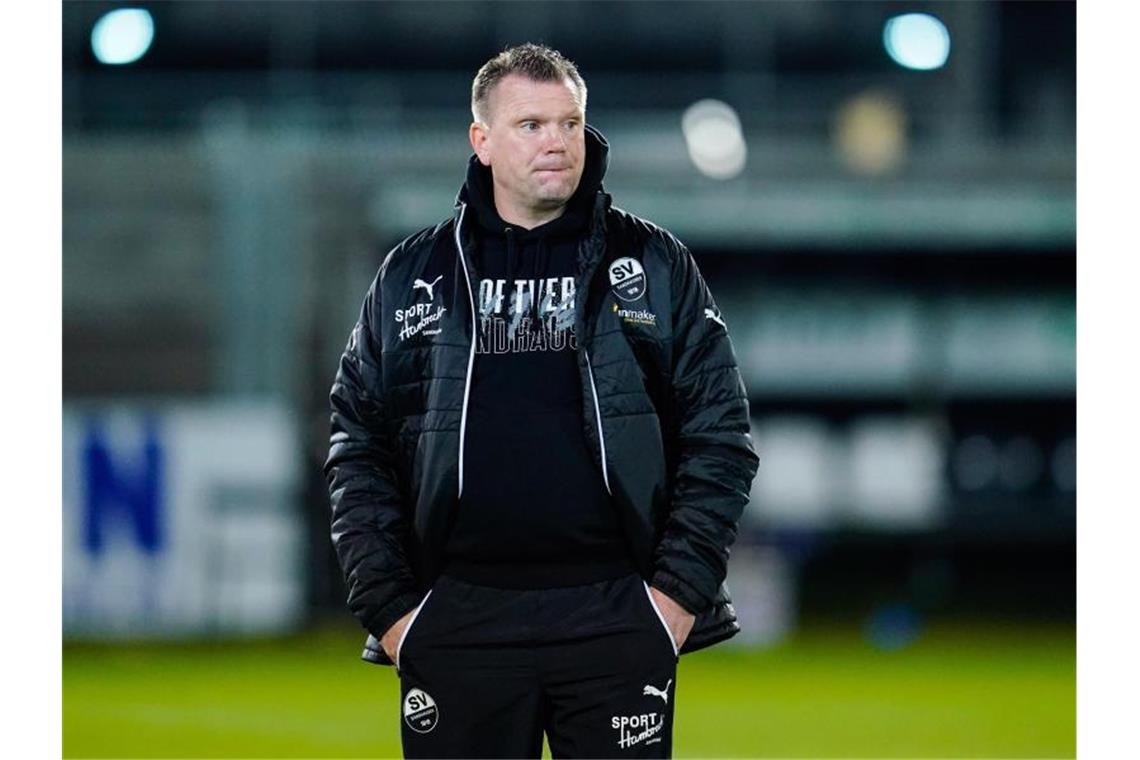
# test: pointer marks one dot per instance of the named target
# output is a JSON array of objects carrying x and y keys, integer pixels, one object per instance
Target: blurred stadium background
[{"x": 884, "y": 206}]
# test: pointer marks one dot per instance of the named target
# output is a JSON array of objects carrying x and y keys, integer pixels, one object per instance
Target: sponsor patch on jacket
[
  {"x": 636, "y": 316},
  {"x": 420, "y": 317},
  {"x": 627, "y": 278}
]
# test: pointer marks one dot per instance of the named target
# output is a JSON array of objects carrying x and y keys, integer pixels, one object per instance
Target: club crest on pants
[{"x": 420, "y": 711}]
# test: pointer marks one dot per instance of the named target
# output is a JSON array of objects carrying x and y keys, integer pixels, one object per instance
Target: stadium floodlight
[
  {"x": 714, "y": 138},
  {"x": 871, "y": 132},
  {"x": 122, "y": 36},
  {"x": 917, "y": 41}
]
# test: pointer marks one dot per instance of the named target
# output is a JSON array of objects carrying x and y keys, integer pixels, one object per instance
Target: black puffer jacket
[{"x": 664, "y": 412}]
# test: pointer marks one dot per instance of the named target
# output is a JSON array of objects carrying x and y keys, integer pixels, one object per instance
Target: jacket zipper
[
  {"x": 471, "y": 358},
  {"x": 598, "y": 416}
]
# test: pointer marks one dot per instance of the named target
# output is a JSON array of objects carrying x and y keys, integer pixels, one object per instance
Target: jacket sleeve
[
  {"x": 370, "y": 521},
  {"x": 716, "y": 460}
]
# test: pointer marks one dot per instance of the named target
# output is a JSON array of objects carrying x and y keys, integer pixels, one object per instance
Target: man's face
[{"x": 535, "y": 143}]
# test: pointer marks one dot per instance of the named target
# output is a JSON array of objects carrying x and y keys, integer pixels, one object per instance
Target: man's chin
[
  {"x": 550, "y": 197},
  {"x": 554, "y": 202}
]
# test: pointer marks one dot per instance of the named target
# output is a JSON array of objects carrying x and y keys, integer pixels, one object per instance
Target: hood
[{"x": 478, "y": 193}]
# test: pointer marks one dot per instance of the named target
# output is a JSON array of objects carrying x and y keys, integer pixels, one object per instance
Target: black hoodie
[{"x": 534, "y": 512}]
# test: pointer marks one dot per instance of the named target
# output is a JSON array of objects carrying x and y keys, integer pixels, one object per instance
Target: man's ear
[{"x": 478, "y": 134}]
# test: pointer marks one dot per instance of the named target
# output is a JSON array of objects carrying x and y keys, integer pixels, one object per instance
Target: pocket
[
  {"x": 660, "y": 617},
  {"x": 408, "y": 628}
]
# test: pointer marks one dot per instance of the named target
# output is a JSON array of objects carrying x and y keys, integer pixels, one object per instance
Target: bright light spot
[
  {"x": 871, "y": 133},
  {"x": 715, "y": 141},
  {"x": 917, "y": 41},
  {"x": 122, "y": 36}
]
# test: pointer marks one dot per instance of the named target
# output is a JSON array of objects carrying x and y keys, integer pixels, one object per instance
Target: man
[{"x": 540, "y": 448}]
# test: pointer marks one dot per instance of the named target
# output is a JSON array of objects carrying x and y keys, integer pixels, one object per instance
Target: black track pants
[{"x": 484, "y": 672}]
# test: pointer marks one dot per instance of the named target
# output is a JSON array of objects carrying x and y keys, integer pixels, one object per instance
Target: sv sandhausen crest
[
  {"x": 627, "y": 278},
  {"x": 420, "y": 711}
]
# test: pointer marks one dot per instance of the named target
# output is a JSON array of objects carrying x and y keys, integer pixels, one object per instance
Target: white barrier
[{"x": 181, "y": 519}]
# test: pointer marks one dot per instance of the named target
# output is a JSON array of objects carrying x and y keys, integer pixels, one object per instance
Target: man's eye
[
  {"x": 572, "y": 125},
  {"x": 530, "y": 126}
]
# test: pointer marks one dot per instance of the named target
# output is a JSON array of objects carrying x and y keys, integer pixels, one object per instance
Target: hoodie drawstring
[{"x": 510, "y": 234}]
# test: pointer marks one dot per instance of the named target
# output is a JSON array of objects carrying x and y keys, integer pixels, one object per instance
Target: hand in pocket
[
  {"x": 391, "y": 640},
  {"x": 677, "y": 618}
]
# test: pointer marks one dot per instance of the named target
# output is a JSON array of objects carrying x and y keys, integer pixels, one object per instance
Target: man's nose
[{"x": 555, "y": 140}]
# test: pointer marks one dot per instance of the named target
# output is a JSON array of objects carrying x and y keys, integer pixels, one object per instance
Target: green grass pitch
[{"x": 983, "y": 690}]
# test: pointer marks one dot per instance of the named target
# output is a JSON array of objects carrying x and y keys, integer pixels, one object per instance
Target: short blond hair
[{"x": 537, "y": 62}]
